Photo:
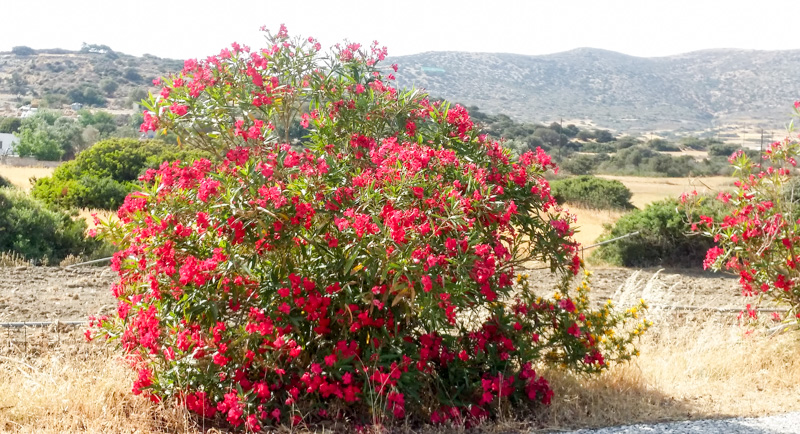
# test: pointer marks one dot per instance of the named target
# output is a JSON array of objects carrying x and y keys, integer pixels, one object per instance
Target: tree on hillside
[
  {"x": 136, "y": 95},
  {"x": 571, "y": 130},
  {"x": 548, "y": 136},
  {"x": 49, "y": 137},
  {"x": 104, "y": 122},
  {"x": 585, "y": 135},
  {"x": 109, "y": 86},
  {"x": 22, "y": 50},
  {"x": 17, "y": 84},
  {"x": 132, "y": 75},
  {"x": 603, "y": 136},
  {"x": 95, "y": 48},
  {"x": 87, "y": 94},
  {"x": 10, "y": 125}
]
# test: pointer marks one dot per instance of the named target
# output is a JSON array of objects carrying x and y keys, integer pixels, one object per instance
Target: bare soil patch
[{"x": 54, "y": 293}]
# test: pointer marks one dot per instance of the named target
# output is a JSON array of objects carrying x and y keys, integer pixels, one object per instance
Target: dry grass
[
  {"x": 20, "y": 176},
  {"x": 646, "y": 190},
  {"x": 13, "y": 259},
  {"x": 77, "y": 388},
  {"x": 692, "y": 365},
  {"x": 590, "y": 223}
]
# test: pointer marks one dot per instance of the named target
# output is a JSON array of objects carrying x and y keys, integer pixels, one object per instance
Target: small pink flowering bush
[
  {"x": 371, "y": 275},
  {"x": 758, "y": 238}
]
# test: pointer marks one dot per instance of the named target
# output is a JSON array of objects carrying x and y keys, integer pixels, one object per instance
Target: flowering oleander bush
[
  {"x": 758, "y": 238},
  {"x": 372, "y": 275}
]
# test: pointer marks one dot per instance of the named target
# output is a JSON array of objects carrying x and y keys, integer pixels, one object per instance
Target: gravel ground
[{"x": 788, "y": 423}]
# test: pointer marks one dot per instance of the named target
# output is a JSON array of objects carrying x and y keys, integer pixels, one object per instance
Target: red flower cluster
[{"x": 757, "y": 238}]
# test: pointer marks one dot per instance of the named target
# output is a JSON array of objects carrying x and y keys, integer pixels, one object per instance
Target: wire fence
[
  {"x": 25, "y": 335},
  {"x": 591, "y": 246},
  {"x": 95, "y": 261},
  {"x": 37, "y": 337}
]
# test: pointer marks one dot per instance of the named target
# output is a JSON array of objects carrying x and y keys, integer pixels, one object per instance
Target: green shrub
[
  {"x": 31, "y": 229},
  {"x": 662, "y": 145},
  {"x": 85, "y": 192},
  {"x": 590, "y": 192},
  {"x": 643, "y": 161},
  {"x": 665, "y": 237},
  {"x": 4, "y": 182},
  {"x": 10, "y": 125},
  {"x": 722, "y": 150},
  {"x": 597, "y": 148},
  {"x": 581, "y": 164},
  {"x": 101, "y": 176}
]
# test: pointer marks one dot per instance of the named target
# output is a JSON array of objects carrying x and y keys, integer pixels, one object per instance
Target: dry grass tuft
[
  {"x": 77, "y": 387},
  {"x": 70, "y": 260},
  {"x": 13, "y": 259},
  {"x": 693, "y": 364}
]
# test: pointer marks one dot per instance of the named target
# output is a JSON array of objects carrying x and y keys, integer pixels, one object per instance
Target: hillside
[
  {"x": 94, "y": 76},
  {"x": 691, "y": 91}
]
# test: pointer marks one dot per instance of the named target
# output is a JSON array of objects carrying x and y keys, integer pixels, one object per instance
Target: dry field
[
  {"x": 646, "y": 190},
  {"x": 20, "y": 176},
  {"x": 693, "y": 364},
  {"x": 590, "y": 223}
]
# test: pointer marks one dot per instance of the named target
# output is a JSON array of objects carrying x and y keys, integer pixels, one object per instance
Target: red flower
[{"x": 178, "y": 109}]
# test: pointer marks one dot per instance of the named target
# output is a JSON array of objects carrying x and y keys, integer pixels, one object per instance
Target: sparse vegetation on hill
[
  {"x": 626, "y": 93},
  {"x": 94, "y": 76},
  {"x": 587, "y": 151}
]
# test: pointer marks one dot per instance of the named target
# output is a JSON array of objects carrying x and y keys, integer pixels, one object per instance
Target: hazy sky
[{"x": 198, "y": 28}]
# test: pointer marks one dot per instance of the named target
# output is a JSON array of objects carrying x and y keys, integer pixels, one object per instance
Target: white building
[{"x": 7, "y": 143}]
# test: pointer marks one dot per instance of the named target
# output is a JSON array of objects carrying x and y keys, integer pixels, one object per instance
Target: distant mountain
[
  {"x": 690, "y": 91},
  {"x": 56, "y": 78}
]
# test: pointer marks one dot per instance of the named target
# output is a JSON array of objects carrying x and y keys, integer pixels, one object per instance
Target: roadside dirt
[{"x": 52, "y": 293}]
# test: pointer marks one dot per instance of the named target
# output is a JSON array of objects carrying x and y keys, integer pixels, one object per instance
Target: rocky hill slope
[
  {"x": 692, "y": 92},
  {"x": 689, "y": 91}
]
